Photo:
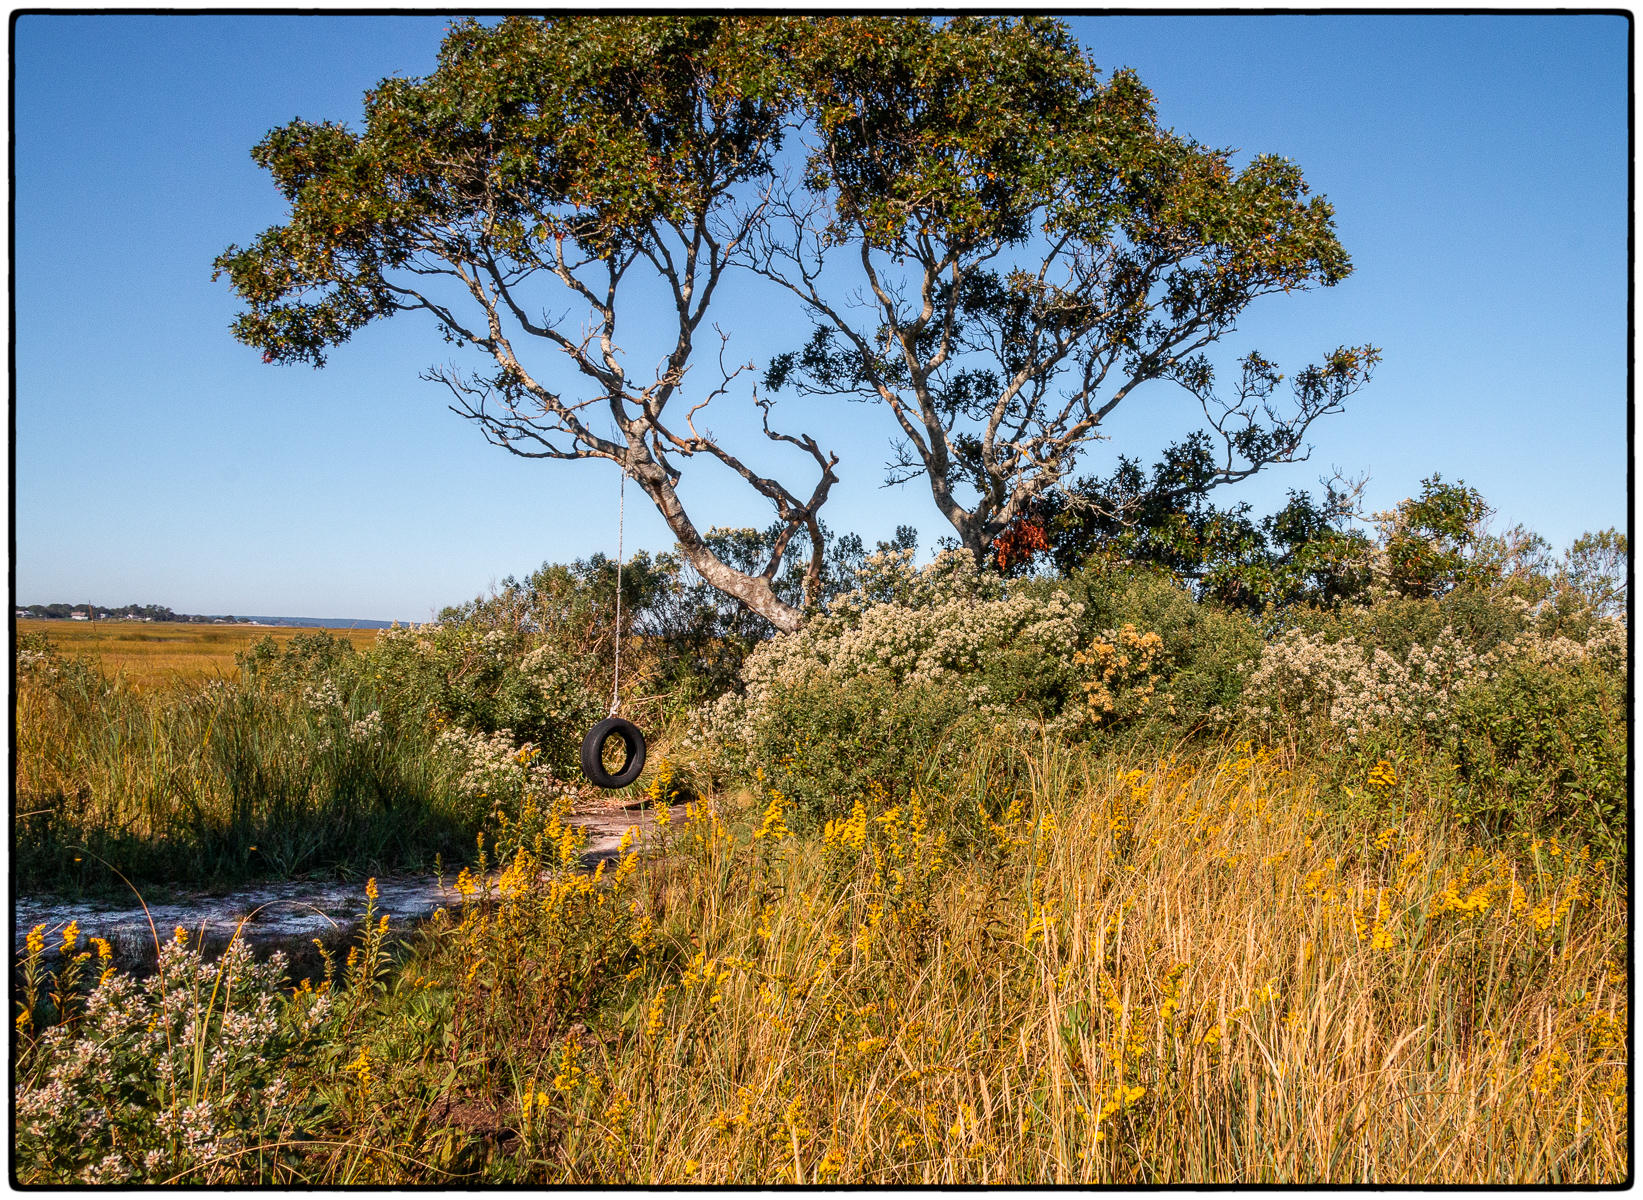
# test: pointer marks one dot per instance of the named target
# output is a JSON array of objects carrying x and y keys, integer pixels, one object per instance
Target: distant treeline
[{"x": 131, "y": 612}]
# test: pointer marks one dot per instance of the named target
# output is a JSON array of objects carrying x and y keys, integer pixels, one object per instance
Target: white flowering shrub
[
  {"x": 368, "y": 729},
  {"x": 182, "y": 1078},
  {"x": 35, "y": 657},
  {"x": 489, "y": 769},
  {"x": 1304, "y": 678},
  {"x": 1526, "y": 734},
  {"x": 488, "y": 681},
  {"x": 899, "y": 673},
  {"x": 1604, "y": 641},
  {"x": 322, "y": 697},
  {"x": 940, "y": 641}
]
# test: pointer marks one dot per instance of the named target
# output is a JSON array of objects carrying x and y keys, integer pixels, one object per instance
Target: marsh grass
[
  {"x": 217, "y": 781},
  {"x": 159, "y": 654}
]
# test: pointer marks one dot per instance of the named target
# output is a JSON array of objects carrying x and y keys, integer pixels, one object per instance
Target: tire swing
[{"x": 633, "y": 742}]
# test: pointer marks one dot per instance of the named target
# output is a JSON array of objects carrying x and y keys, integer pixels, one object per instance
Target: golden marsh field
[{"x": 150, "y": 653}]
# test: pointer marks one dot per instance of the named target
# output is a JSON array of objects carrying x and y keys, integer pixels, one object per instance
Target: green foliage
[
  {"x": 1436, "y": 542},
  {"x": 307, "y": 657},
  {"x": 1063, "y": 248},
  {"x": 970, "y": 131},
  {"x": 490, "y": 680},
  {"x": 1596, "y": 569},
  {"x": 947, "y": 126},
  {"x": 1543, "y": 749},
  {"x": 1301, "y": 554},
  {"x": 1483, "y": 620},
  {"x": 913, "y": 664},
  {"x": 1508, "y": 688},
  {"x": 530, "y": 134},
  {"x": 1501, "y": 690},
  {"x": 1207, "y": 648},
  {"x": 825, "y": 742}
]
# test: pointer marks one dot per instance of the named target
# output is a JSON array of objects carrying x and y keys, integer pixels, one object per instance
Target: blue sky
[{"x": 1477, "y": 164}]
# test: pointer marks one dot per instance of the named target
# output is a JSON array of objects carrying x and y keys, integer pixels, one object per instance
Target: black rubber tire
[{"x": 592, "y": 760}]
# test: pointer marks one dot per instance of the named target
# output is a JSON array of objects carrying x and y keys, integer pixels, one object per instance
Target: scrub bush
[
  {"x": 1541, "y": 747},
  {"x": 1512, "y": 717},
  {"x": 489, "y": 681},
  {"x": 877, "y": 692},
  {"x": 1207, "y": 650}
]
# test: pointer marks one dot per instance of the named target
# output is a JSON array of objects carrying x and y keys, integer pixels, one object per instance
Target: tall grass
[
  {"x": 1052, "y": 968},
  {"x": 217, "y": 781},
  {"x": 1168, "y": 975}
]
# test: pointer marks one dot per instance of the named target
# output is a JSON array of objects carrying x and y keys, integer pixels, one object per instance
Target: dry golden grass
[
  {"x": 161, "y": 653},
  {"x": 1186, "y": 974},
  {"x": 1183, "y": 974}
]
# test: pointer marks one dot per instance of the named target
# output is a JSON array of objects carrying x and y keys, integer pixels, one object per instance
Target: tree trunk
[{"x": 752, "y": 591}]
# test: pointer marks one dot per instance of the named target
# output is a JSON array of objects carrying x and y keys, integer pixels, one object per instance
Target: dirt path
[{"x": 286, "y": 912}]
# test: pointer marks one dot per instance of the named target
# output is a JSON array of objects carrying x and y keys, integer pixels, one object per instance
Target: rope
[{"x": 621, "y": 513}]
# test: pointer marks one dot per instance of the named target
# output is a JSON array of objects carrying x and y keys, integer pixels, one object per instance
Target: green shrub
[
  {"x": 824, "y": 742},
  {"x": 308, "y": 657},
  {"x": 874, "y": 693},
  {"x": 1207, "y": 649},
  {"x": 532, "y": 687},
  {"x": 1482, "y": 619},
  {"x": 1510, "y": 716},
  {"x": 1541, "y": 748}
]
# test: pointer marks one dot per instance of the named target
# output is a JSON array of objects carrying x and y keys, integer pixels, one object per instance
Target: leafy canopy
[
  {"x": 529, "y": 133},
  {"x": 993, "y": 239},
  {"x": 1030, "y": 246}
]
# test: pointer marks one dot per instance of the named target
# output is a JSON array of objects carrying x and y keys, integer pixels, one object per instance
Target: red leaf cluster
[{"x": 1021, "y": 539}]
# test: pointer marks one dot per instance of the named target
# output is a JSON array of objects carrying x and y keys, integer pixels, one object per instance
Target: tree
[
  {"x": 1433, "y": 543},
  {"x": 1439, "y": 541},
  {"x": 1597, "y": 567},
  {"x": 1304, "y": 553},
  {"x": 565, "y": 161},
  {"x": 1030, "y": 247}
]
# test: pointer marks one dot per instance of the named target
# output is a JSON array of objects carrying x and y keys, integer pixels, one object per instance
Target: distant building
[{"x": 79, "y": 615}]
